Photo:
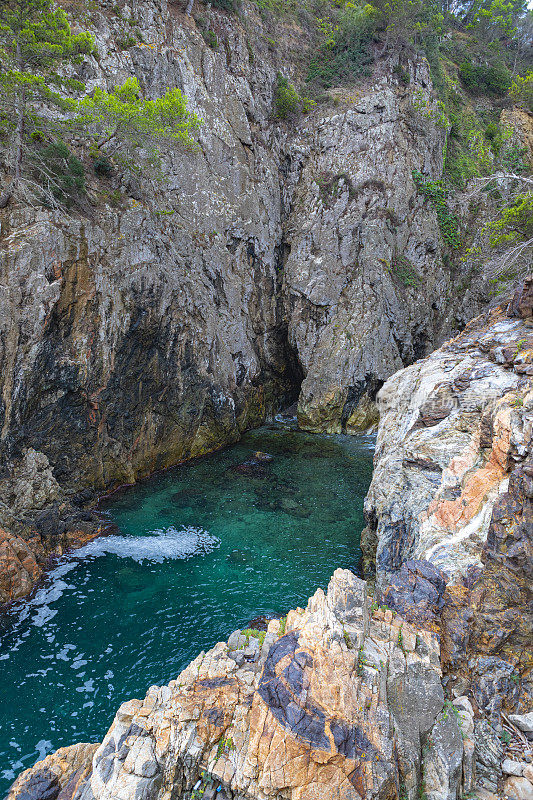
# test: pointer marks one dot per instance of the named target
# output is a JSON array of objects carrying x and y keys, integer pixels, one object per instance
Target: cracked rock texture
[
  {"x": 346, "y": 702},
  {"x": 453, "y": 486},
  {"x": 364, "y": 282},
  {"x": 160, "y": 325},
  {"x": 454, "y": 428}
]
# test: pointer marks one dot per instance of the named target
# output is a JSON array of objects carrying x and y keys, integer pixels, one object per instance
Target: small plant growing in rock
[
  {"x": 210, "y": 38},
  {"x": 253, "y": 632},
  {"x": 402, "y": 268},
  {"x": 519, "y": 346},
  {"x": 103, "y": 167},
  {"x": 115, "y": 198},
  {"x": 282, "y": 625},
  {"x": 347, "y": 638},
  {"x": 435, "y": 192},
  {"x": 328, "y": 186},
  {"x": 225, "y": 744},
  {"x": 400, "y": 640},
  {"x": 361, "y": 661},
  {"x": 402, "y": 74},
  {"x": 448, "y": 709}
]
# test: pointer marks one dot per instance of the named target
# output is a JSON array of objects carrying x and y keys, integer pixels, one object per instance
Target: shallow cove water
[{"x": 203, "y": 549}]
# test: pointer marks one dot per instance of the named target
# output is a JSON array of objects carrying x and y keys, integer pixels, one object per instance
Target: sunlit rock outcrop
[
  {"x": 453, "y": 428},
  {"x": 450, "y": 510},
  {"x": 341, "y": 700}
]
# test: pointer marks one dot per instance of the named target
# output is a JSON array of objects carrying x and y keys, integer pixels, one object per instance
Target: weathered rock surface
[
  {"x": 453, "y": 429},
  {"x": 151, "y": 332},
  {"x": 342, "y": 701},
  {"x": 56, "y": 776},
  {"x": 18, "y": 565},
  {"x": 450, "y": 512},
  {"x": 364, "y": 284},
  {"x": 176, "y": 314}
]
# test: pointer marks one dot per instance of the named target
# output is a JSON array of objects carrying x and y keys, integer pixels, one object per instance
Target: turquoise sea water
[{"x": 202, "y": 549}]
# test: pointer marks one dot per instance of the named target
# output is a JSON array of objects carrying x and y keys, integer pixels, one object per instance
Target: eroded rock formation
[
  {"x": 344, "y": 701},
  {"x": 453, "y": 486},
  {"x": 364, "y": 281},
  {"x": 454, "y": 427},
  {"x": 172, "y": 315}
]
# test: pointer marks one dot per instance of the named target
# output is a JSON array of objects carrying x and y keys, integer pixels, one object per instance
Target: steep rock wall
[
  {"x": 143, "y": 335},
  {"x": 453, "y": 489},
  {"x": 364, "y": 280}
]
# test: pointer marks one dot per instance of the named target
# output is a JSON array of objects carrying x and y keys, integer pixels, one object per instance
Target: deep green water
[{"x": 131, "y": 610}]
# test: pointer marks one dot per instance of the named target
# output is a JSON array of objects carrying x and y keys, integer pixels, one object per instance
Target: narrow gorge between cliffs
[{"x": 201, "y": 549}]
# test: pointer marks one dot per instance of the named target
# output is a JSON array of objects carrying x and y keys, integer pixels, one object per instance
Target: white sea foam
[
  {"x": 170, "y": 543},
  {"x": 161, "y": 544}
]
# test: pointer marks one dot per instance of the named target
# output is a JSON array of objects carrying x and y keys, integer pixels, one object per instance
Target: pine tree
[
  {"x": 131, "y": 128},
  {"x": 36, "y": 45}
]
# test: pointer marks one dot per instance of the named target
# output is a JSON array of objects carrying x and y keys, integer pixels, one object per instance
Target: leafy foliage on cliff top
[
  {"x": 40, "y": 106},
  {"x": 486, "y": 42},
  {"x": 36, "y": 45}
]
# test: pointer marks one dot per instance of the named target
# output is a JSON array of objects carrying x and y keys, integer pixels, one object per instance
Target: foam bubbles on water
[{"x": 160, "y": 545}]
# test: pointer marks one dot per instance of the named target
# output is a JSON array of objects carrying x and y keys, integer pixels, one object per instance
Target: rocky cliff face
[
  {"x": 150, "y": 333},
  {"x": 342, "y": 700},
  {"x": 151, "y": 329},
  {"x": 452, "y": 489},
  {"x": 453, "y": 427},
  {"x": 175, "y": 314},
  {"x": 364, "y": 281}
]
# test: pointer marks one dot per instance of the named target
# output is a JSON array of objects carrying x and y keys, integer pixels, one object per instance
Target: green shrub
[
  {"x": 60, "y": 174},
  {"x": 402, "y": 74},
  {"x": 493, "y": 80},
  {"x": 287, "y": 101},
  {"x": 127, "y": 41},
  {"x": 224, "y": 5},
  {"x": 210, "y": 38},
  {"x": 345, "y": 51},
  {"x": 493, "y": 134},
  {"x": 514, "y": 223},
  {"x": 435, "y": 192},
  {"x": 470, "y": 150},
  {"x": 515, "y": 158},
  {"x": 278, "y": 7},
  {"x": 286, "y": 98},
  {"x": 103, "y": 167},
  {"x": 521, "y": 90},
  {"x": 402, "y": 269},
  {"x": 255, "y": 634}
]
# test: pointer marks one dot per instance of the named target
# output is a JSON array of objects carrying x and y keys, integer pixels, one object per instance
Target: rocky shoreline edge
[
  {"x": 419, "y": 686},
  {"x": 342, "y": 699}
]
